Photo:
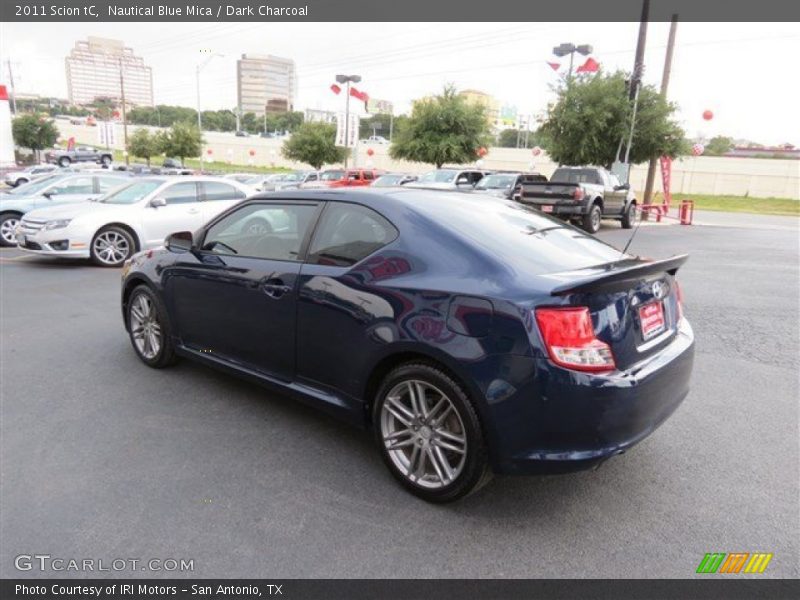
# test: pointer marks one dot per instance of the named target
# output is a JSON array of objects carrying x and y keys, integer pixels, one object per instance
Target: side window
[
  {"x": 476, "y": 177},
  {"x": 349, "y": 233},
  {"x": 105, "y": 184},
  {"x": 353, "y": 176},
  {"x": 368, "y": 175},
  {"x": 269, "y": 231},
  {"x": 215, "y": 190},
  {"x": 312, "y": 177},
  {"x": 180, "y": 193},
  {"x": 73, "y": 185}
]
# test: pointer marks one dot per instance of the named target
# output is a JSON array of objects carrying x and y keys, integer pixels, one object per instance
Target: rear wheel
[
  {"x": 20, "y": 181},
  {"x": 591, "y": 220},
  {"x": 629, "y": 216},
  {"x": 149, "y": 329},
  {"x": 105, "y": 160},
  {"x": 112, "y": 246},
  {"x": 429, "y": 434},
  {"x": 8, "y": 228}
]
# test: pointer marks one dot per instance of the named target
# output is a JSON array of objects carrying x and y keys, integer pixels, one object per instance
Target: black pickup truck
[{"x": 584, "y": 194}]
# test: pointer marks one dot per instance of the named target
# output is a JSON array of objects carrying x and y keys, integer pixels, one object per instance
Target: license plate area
[
  {"x": 546, "y": 208},
  {"x": 651, "y": 319}
]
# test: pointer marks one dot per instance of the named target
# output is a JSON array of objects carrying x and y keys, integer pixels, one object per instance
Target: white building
[
  {"x": 265, "y": 83},
  {"x": 93, "y": 71}
]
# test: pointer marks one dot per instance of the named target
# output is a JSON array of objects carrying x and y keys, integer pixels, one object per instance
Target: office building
[
  {"x": 93, "y": 71},
  {"x": 265, "y": 83}
]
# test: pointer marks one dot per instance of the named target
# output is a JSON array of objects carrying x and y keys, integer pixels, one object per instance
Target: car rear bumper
[
  {"x": 580, "y": 420},
  {"x": 557, "y": 207}
]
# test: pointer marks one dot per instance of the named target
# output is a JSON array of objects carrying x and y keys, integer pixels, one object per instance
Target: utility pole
[
  {"x": 124, "y": 113},
  {"x": 347, "y": 79},
  {"x": 11, "y": 83},
  {"x": 651, "y": 169}
]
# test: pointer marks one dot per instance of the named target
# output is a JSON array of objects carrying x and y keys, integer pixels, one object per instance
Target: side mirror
[
  {"x": 181, "y": 241},
  {"x": 624, "y": 186},
  {"x": 156, "y": 202},
  {"x": 48, "y": 195}
]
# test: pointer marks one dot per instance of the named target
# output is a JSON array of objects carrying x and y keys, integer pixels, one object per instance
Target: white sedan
[{"x": 135, "y": 217}]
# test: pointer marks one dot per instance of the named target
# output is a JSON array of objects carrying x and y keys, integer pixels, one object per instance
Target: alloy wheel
[
  {"x": 111, "y": 247},
  {"x": 7, "y": 230},
  {"x": 423, "y": 434},
  {"x": 145, "y": 327}
]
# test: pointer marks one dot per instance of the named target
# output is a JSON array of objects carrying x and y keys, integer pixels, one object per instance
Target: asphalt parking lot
[{"x": 105, "y": 458}]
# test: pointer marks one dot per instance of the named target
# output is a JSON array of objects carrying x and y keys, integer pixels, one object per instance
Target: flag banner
[
  {"x": 336, "y": 89},
  {"x": 590, "y": 66},
  {"x": 666, "y": 178},
  {"x": 554, "y": 65}
]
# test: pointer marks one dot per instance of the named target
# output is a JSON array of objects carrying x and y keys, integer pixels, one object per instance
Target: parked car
[
  {"x": 240, "y": 177},
  {"x": 545, "y": 354},
  {"x": 51, "y": 190},
  {"x": 18, "y": 177},
  {"x": 507, "y": 184},
  {"x": 79, "y": 154},
  {"x": 391, "y": 179},
  {"x": 334, "y": 178},
  {"x": 288, "y": 181},
  {"x": 449, "y": 179},
  {"x": 375, "y": 139},
  {"x": 135, "y": 217},
  {"x": 585, "y": 194},
  {"x": 173, "y": 166},
  {"x": 242, "y": 134}
]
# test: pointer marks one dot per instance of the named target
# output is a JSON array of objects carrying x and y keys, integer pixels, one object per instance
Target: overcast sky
[{"x": 744, "y": 72}]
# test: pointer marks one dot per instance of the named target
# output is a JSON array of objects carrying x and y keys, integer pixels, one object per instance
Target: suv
[
  {"x": 587, "y": 194},
  {"x": 345, "y": 178},
  {"x": 65, "y": 158}
]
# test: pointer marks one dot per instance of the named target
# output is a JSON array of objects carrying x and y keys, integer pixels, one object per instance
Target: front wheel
[
  {"x": 149, "y": 329},
  {"x": 112, "y": 246},
  {"x": 629, "y": 216},
  {"x": 105, "y": 161},
  {"x": 591, "y": 220},
  {"x": 429, "y": 434},
  {"x": 64, "y": 161},
  {"x": 8, "y": 228}
]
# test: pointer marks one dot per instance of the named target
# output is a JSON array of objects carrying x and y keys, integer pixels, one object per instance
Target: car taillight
[
  {"x": 679, "y": 297},
  {"x": 568, "y": 334},
  {"x": 577, "y": 194}
]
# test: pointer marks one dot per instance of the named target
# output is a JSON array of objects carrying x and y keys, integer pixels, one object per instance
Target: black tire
[
  {"x": 64, "y": 161},
  {"x": 475, "y": 472},
  {"x": 126, "y": 245},
  {"x": 591, "y": 220},
  {"x": 629, "y": 216},
  {"x": 105, "y": 160},
  {"x": 8, "y": 222},
  {"x": 166, "y": 352},
  {"x": 20, "y": 181}
]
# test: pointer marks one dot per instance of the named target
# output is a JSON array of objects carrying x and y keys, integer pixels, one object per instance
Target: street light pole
[
  {"x": 124, "y": 114},
  {"x": 347, "y": 79},
  {"x": 198, "y": 68},
  {"x": 570, "y": 48}
]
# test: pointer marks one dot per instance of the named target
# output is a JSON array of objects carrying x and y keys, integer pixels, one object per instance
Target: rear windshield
[
  {"x": 520, "y": 234},
  {"x": 575, "y": 176}
]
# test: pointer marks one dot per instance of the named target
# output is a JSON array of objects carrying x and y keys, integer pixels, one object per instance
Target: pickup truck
[
  {"x": 65, "y": 158},
  {"x": 584, "y": 194}
]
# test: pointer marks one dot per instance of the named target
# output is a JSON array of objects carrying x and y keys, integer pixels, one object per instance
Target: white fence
[{"x": 756, "y": 177}]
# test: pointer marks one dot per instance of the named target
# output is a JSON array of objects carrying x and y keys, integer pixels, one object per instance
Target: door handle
[{"x": 275, "y": 288}]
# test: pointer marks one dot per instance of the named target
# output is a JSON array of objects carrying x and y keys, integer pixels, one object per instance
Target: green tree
[
  {"x": 144, "y": 145},
  {"x": 378, "y": 123},
  {"x": 590, "y": 117},
  {"x": 181, "y": 141},
  {"x": 718, "y": 145},
  {"x": 314, "y": 144},
  {"x": 442, "y": 129},
  {"x": 35, "y": 132},
  {"x": 508, "y": 138}
]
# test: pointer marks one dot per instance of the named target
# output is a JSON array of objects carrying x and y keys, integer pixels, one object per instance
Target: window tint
[
  {"x": 368, "y": 175},
  {"x": 271, "y": 231},
  {"x": 73, "y": 185},
  {"x": 349, "y": 233},
  {"x": 180, "y": 193},
  {"x": 215, "y": 190},
  {"x": 105, "y": 184}
]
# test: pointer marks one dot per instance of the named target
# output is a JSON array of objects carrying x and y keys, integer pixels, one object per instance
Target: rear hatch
[{"x": 634, "y": 304}]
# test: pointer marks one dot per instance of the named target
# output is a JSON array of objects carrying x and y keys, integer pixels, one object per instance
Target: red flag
[
  {"x": 335, "y": 89},
  {"x": 71, "y": 143},
  {"x": 356, "y": 94},
  {"x": 554, "y": 65},
  {"x": 590, "y": 66},
  {"x": 666, "y": 178}
]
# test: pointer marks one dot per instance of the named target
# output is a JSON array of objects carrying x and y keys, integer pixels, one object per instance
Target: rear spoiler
[{"x": 618, "y": 276}]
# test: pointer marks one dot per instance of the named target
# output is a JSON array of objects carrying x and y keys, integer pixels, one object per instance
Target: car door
[
  {"x": 217, "y": 196},
  {"x": 83, "y": 154},
  {"x": 182, "y": 212},
  {"x": 337, "y": 318},
  {"x": 617, "y": 196},
  {"x": 234, "y": 299}
]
